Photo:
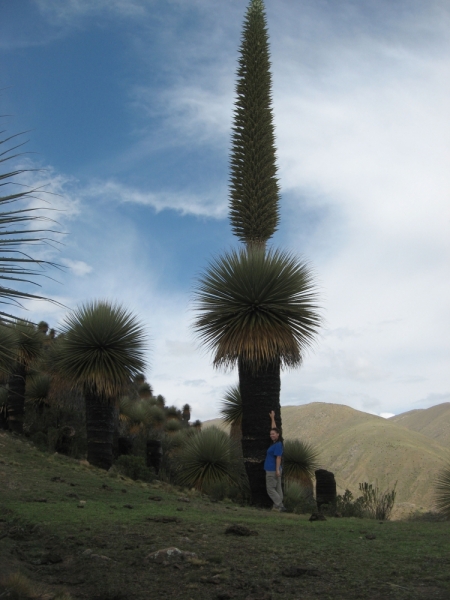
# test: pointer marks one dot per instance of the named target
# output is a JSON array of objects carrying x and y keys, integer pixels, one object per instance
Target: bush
[
  {"x": 134, "y": 467},
  {"x": 208, "y": 458},
  {"x": 373, "y": 504},
  {"x": 442, "y": 492},
  {"x": 347, "y": 506},
  {"x": 218, "y": 490},
  {"x": 377, "y": 505},
  {"x": 298, "y": 498},
  {"x": 300, "y": 460}
]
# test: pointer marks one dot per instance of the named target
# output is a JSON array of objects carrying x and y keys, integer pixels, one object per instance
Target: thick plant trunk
[
  {"x": 16, "y": 398},
  {"x": 100, "y": 427},
  {"x": 260, "y": 393}
]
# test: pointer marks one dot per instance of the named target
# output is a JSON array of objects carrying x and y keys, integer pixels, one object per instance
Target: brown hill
[
  {"x": 358, "y": 447},
  {"x": 433, "y": 422}
]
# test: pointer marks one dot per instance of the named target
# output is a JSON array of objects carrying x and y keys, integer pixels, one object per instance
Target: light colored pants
[{"x": 274, "y": 490}]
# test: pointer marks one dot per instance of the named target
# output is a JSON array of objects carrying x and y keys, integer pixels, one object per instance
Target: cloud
[
  {"x": 64, "y": 12},
  {"x": 184, "y": 203},
  {"x": 78, "y": 267},
  {"x": 387, "y": 415}
]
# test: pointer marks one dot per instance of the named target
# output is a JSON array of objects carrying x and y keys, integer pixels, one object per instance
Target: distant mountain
[
  {"x": 433, "y": 422},
  {"x": 409, "y": 449}
]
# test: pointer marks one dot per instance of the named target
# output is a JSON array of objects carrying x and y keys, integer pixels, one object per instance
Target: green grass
[{"x": 405, "y": 560}]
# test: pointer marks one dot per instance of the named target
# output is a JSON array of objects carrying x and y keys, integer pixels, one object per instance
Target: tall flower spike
[{"x": 254, "y": 190}]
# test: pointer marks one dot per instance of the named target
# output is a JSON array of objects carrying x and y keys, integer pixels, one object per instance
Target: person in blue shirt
[{"x": 272, "y": 466}]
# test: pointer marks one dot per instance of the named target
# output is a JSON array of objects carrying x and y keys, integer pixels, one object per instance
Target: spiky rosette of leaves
[
  {"x": 102, "y": 347},
  {"x": 206, "y": 458},
  {"x": 254, "y": 190},
  {"x": 171, "y": 426},
  {"x": 231, "y": 408},
  {"x": 8, "y": 344},
  {"x": 38, "y": 389},
  {"x": 145, "y": 390},
  {"x": 28, "y": 344},
  {"x": 19, "y": 228},
  {"x": 172, "y": 412},
  {"x": 300, "y": 460},
  {"x": 258, "y": 307},
  {"x": 442, "y": 492}
]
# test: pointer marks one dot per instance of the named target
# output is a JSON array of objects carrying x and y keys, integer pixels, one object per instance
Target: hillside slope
[{"x": 433, "y": 422}]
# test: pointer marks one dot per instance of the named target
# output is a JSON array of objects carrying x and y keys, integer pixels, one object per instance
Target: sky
[{"x": 128, "y": 105}]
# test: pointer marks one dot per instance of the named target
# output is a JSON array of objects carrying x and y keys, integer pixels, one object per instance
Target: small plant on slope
[{"x": 442, "y": 492}]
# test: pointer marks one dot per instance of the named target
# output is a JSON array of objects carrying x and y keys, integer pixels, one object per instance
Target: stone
[{"x": 171, "y": 554}]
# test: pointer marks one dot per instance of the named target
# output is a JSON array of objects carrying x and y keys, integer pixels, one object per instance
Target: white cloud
[
  {"x": 78, "y": 267},
  {"x": 65, "y": 11},
  {"x": 387, "y": 415},
  {"x": 209, "y": 205}
]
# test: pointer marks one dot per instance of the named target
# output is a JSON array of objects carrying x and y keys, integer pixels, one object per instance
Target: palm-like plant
[
  {"x": 300, "y": 460},
  {"x": 18, "y": 268},
  {"x": 37, "y": 390},
  {"x": 442, "y": 492},
  {"x": 28, "y": 347},
  {"x": 254, "y": 191},
  {"x": 186, "y": 414},
  {"x": 258, "y": 310},
  {"x": 231, "y": 411},
  {"x": 207, "y": 458},
  {"x": 101, "y": 348}
]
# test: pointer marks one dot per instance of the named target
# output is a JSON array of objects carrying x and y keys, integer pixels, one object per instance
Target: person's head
[{"x": 274, "y": 434}]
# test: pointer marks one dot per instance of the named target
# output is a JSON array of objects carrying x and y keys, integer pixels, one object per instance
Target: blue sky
[{"x": 129, "y": 107}]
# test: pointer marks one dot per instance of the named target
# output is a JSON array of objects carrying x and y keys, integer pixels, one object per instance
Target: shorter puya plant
[{"x": 372, "y": 504}]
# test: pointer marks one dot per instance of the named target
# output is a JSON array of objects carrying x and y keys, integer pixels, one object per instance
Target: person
[{"x": 272, "y": 466}]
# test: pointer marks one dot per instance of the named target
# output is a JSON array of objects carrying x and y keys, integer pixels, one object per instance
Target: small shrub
[
  {"x": 377, "y": 505},
  {"x": 427, "y": 517},
  {"x": 217, "y": 490},
  {"x": 300, "y": 460},
  {"x": 134, "y": 467},
  {"x": 373, "y": 504},
  {"x": 347, "y": 506},
  {"x": 298, "y": 498},
  {"x": 206, "y": 459},
  {"x": 17, "y": 587},
  {"x": 442, "y": 492}
]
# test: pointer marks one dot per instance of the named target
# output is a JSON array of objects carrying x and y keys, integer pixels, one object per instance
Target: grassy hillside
[
  {"x": 433, "y": 422},
  {"x": 76, "y": 532},
  {"x": 357, "y": 447}
]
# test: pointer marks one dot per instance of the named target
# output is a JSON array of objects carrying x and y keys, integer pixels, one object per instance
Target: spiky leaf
[
  {"x": 102, "y": 347},
  {"x": 206, "y": 458},
  {"x": 442, "y": 492},
  {"x": 300, "y": 460},
  {"x": 231, "y": 408},
  {"x": 257, "y": 307}
]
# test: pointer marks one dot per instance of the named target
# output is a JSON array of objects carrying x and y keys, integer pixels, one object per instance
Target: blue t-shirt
[{"x": 274, "y": 450}]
